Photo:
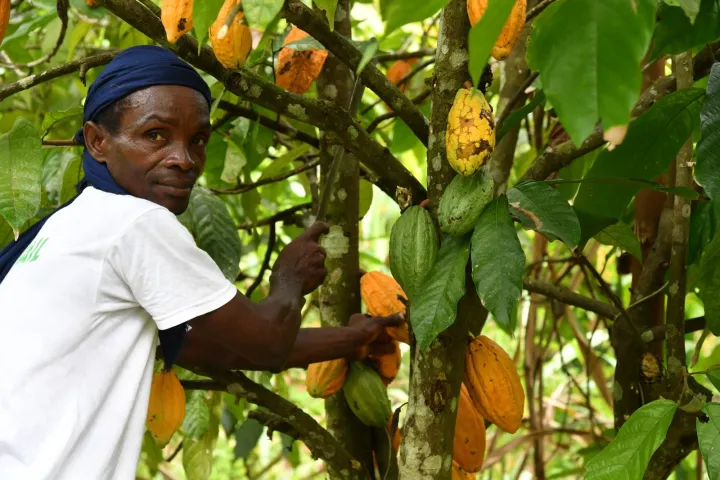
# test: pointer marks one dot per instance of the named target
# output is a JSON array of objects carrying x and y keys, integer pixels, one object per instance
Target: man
[{"x": 84, "y": 292}]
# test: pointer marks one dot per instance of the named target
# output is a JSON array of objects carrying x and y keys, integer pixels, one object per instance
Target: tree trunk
[
  {"x": 428, "y": 431},
  {"x": 340, "y": 294}
]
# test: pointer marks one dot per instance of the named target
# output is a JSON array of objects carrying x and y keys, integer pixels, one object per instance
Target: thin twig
[
  {"x": 388, "y": 57},
  {"x": 283, "y": 215},
  {"x": 246, "y": 187},
  {"x": 175, "y": 452},
  {"x": 60, "y": 143},
  {"x": 537, "y": 10},
  {"x": 266, "y": 261},
  {"x": 569, "y": 297}
]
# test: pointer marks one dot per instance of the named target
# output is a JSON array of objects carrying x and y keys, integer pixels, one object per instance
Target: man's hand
[
  {"x": 302, "y": 262},
  {"x": 376, "y": 338}
]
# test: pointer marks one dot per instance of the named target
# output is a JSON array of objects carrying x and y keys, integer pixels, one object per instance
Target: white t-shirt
[{"x": 79, "y": 319}]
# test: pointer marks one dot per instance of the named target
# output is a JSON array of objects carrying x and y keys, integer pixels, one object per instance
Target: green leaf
[
  {"x": 260, "y": 13},
  {"x": 709, "y": 439},
  {"x": 577, "y": 169},
  {"x": 152, "y": 452},
  {"x": 216, "y": 152},
  {"x": 214, "y": 230},
  {"x": 652, "y": 142},
  {"x": 540, "y": 207},
  {"x": 6, "y": 233},
  {"x": 198, "y": 452},
  {"x": 51, "y": 118},
  {"x": 279, "y": 165},
  {"x": 368, "y": 50},
  {"x": 197, "y": 415},
  {"x": 709, "y": 284},
  {"x": 78, "y": 33},
  {"x": 436, "y": 307},
  {"x": 485, "y": 33},
  {"x": 397, "y": 13},
  {"x": 675, "y": 34},
  {"x": 517, "y": 116},
  {"x": 600, "y": 44},
  {"x": 97, "y": 12},
  {"x": 261, "y": 52},
  {"x": 71, "y": 176},
  {"x": 20, "y": 168},
  {"x": 329, "y": 7},
  {"x": 246, "y": 437},
  {"x": 714, "y": 377},
  {"x": 366, "y": 197},
  {"x": 204, "y": 14},
  {"x": 307, "y": 43},
  {"x": 628, "y": 454},
  {"x": 498, "y": 262},
  {"x": 20, "y": 36},
  {"x": 621, "y": 235},
  {"x": 703, "y": 225},
  {"x": 403, "y": 138},
  {"x": 691, "y": 8},
  {"x": 707, "y": 169},
  {"x": 234, "y": 162}
]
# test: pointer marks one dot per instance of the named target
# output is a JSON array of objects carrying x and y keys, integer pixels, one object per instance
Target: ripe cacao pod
[
  {"x": 400, "y": 333},
  {"x": 459, "y": 474},
  {"x": 234, "y": 47},
  {"x": 494, "y": 384},
  {"x": 366, "y": 395},
  {"x": 381, "y": 294},
  {"x": 176, "y": 16},
  {"x": 4, "y": 17},
  {"x": 397, "y": 71},
  {"x": 388, "y": 364},
  {"x": 298, "y": 69},
  {"x": 92, "y": 3},
  {"x": 469, "y": 441},
  {"x": 511, "y": 30},
  {"x": 470, "y": 136},
  {"x": 166, "y": 407},
  {"x": 413, "y": 248},
  {"x": 324, "y": 379},
  {"x": 463, "y": 201}
]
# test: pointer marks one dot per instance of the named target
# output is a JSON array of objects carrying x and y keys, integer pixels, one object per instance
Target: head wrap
[{"x": 131, "y": 70}]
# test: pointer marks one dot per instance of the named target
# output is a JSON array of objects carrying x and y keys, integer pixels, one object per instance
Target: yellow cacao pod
[
  {"x": 388, "y": 364},
  {"x": 511, "y": 30},
  {"x": 166, "y": 407},
  {"x": 494, "y": 384},
  {"x": 470, "y": 136},
  {"x": 382, "y": 294},
  {"x": 4, "y": 17},
  {"x": 298, "y": 69},
  {"x": 234, "y": 47},
  {"x": 459, "y": 474},
  {"x": 324, "y": 379},
  {"x": 176, "y": 16},
  {"x": 469, "y": 441}
]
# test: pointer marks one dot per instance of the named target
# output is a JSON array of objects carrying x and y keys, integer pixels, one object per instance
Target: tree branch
[
  {"x": 283, "y": 215},
  {"x": 569, "y": 297},
  {"x": 388, "y": 57},
  {"x": 298, "y": 14},
  {"x": 246, "y": 84}
]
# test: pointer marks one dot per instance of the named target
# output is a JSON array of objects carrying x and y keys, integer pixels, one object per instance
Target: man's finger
[
  {"x": 316, "y": 229},
  {"x": 394, "y": 320},
  {"x": 382, "y": 348}
]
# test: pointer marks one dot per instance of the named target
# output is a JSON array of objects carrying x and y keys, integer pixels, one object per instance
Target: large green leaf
[
  {"x": 709, "y": 284},
  {"x": 628, "y": 454},
  {"x": 204, "y": 14},
  {"x": 621, "y": 235},
  {"x": 541, "y": 207},
  {"x": 690, "y": 7},
  {"x": 484, "y": 34},
  {"x": 714, "y": 376},
  {"x": 20, "y": 169},
  {"x": 397, "y": 13},
  {"x": 71, "y": 176},
  {"x": 235, "y": 160},
  {"x": 709, "y": 439},
  {"x": 652, "y": 142},
  {"x": 329, "y": 7},
  {"x": 587, "y": 53},
  {"x": 707, "y": 170},
  {"x": 246, "y": 437},
  {"x": 498, "y": 262},
  {"x": 20, "y": 36},
  {"x": 197, "y": 415},
  {"x": 215, "y": 232},
  {"x": 703, "y": 225},
  {"x": 6, "y": 233},
  {"x": 198, "y": 452},
  {"x": 517, "y": 116},
  {"x": 260, "y": 13},
  {"x": 436, "y": 307},
  {"x": 675, "y": 34}
]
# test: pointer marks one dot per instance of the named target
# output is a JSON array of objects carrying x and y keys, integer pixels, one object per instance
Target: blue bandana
[{"x": 133, "y": 69}]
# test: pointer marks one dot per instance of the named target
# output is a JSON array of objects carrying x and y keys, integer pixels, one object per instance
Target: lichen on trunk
[
  {"x": 340, "y": 294},
  {"x": 428, "y": 430}
]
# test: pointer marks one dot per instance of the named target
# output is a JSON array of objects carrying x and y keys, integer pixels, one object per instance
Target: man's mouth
[{"x": 179, "y": 189}]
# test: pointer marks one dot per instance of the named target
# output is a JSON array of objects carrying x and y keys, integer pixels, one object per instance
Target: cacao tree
[{"x": 533, "y": 182}]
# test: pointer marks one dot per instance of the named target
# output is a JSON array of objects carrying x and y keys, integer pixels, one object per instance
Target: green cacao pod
[
  {"x": 463, "y": 201},
  {"x": 413, "y": 248},
  {"x": 366, "y": 395}
]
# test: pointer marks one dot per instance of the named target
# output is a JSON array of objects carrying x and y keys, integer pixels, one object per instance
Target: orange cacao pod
[
  {"x": 231, "y": 46},
  {"x": 176, "y": 16},
  {"x": 397, "y": 71},
  {"x": 92, "y": 3},
  {"x": 4, "y": 17},
  {"x": 388, "y": 364},
  {"x": 494, "y": 384},
  {"x": 298, "y": 69},
  {"x": 459, "y": 474},
  {"x": 324, "y": 379},
  {"x": 469, "y": 441},
  {"x": 511, "y": 30},
  {"x": 381, "y": 294},
  {"x": 400, "y": 333},
  {"x": 166, "y": 407}
]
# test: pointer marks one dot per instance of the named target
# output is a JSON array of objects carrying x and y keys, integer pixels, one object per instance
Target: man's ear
[{"x": 96, "y": 140}]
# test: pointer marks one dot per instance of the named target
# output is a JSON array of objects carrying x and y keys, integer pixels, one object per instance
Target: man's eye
[
  {"x": 155, "y": 136},
  {"x": 201, "y": 141}
]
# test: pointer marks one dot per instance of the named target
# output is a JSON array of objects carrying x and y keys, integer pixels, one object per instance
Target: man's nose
[{"x": 180, "y": 158}]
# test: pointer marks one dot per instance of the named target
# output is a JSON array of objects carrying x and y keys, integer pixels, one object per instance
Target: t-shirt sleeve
[{"x": 169, "y": 276}]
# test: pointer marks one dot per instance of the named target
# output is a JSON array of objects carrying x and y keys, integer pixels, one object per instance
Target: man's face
[{"x": 158, "y": 151}]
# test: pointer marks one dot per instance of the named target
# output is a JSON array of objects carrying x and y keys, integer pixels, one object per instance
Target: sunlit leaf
[
  {"x": 259, "y": 13},
  {"x": 197, "y": 456},
  {"x": 366, "y": 197},
  {"x": 397, "y": 13},
  {"x": 329, "y": 7},
  {"x": 71, "y": 176},
  {"x": 675, "y": 34},
  {"x": 621, "y": 235},
  {"x": 714, "y": 376},
  {"x": 368, "y": 51},
  {"x": 197, "y": 415},
  {"x": 709, "y": 439},
  {"x": 234, "y": 162},
  {"x": 204, "y": 14}
]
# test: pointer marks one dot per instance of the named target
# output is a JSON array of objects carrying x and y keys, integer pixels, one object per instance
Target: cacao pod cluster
[
  {"x": 511, "y": 30},
  {"x": 166, "y": 407}
]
